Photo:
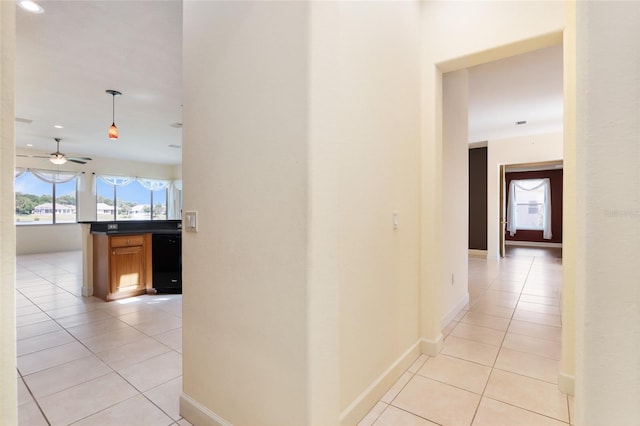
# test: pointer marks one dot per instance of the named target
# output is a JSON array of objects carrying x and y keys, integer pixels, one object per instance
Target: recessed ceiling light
[
  {"x": 57, "y": 126},
  {"x": 29, "y": 144},
  {"x": 30, "y": 6}
]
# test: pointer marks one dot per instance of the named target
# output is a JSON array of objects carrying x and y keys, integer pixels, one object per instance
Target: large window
[
  {"x": 123, "y": 198},
  {"x": 45, "y": 197}
]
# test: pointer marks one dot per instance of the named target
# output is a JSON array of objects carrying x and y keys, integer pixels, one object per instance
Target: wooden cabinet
[{"x": 121, "y": 265}]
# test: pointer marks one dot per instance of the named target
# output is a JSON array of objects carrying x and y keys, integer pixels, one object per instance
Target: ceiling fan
[{"x": 58, "y": 158}]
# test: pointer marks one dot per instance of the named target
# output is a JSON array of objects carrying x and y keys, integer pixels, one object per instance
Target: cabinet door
[{"x": 127, "y": 268}]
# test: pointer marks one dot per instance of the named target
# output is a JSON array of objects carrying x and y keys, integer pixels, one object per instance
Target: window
[
  {"x": 529, "y": 206},
  {"x": 123, "y": 198},
  {"x": 45, "y": 197}
]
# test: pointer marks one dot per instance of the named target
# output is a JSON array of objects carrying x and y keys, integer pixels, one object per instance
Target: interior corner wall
[
  {"x": 8, "y": 374},
  {"x": 520, "y": 150},
  {"x": 455, "y": 180},
  {"x": 245, "y": 140},
  {"x": 608, "y": 206}
]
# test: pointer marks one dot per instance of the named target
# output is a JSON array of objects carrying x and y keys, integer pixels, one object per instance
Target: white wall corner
[
  {"x": 197, "y": 414},
  {"x": 567, "y": 383},
  {"x": 430, "y": 347},
  {"x": 376, "y": 390}
]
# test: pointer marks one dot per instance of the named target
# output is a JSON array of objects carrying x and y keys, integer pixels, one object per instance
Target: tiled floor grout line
[
  {"x": 95, "y": 354},
  {"x": 482, "y": 395},
  {"x": 24, "y": 383}
]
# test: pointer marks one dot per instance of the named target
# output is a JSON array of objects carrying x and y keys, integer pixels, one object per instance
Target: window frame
[
  {"x": 54, "y": 221},
  {"x": 115, "y": 217}
]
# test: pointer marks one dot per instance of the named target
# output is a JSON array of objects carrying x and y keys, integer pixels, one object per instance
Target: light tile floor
[
  {"x": 500, "y": 359},
  {"x": 83, "y": 361}
]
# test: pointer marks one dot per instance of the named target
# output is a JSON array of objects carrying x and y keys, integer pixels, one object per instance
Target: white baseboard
[
  {"x": 198, "y": 414},
  {"x": 567, "y": 383},
  {"x": 478, "y": 253},
  {"x": 376, "y": 390},
  {"x": 532, "y": 244},
  {"x": 452, "y": 314}
]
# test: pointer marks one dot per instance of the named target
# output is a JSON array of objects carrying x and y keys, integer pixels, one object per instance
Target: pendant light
[{"x": 113, "y": 130}]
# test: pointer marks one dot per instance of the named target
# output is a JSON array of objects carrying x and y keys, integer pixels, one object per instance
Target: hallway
[{"x": 499, "y": 362}]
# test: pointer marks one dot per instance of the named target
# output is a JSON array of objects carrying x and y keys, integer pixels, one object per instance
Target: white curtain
[
  {"x": 116, "y": 180},
  {"x": 54, "y": 176},
  {"x": 174, "y": 199},
  {"x": 19, "y": 172},
  {"x": 154, "y": 184},
  {"x": 512, "y": 204}
]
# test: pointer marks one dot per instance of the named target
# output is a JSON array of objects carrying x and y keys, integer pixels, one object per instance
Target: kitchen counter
[
  {"x": 136, "y": 227},
  {"x": 102, "y": 239}
]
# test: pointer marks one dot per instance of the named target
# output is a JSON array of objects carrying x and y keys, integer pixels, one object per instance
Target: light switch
[
  {"x": 190, "y": 221},
  {"x": 395, "y": 220}
]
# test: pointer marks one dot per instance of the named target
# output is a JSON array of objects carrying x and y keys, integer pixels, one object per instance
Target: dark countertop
[{"x": 136, "y": 227}]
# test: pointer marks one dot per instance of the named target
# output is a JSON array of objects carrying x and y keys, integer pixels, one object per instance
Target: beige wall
[
  {"x": 245, "y": 155},
  {"x": 608, "y": 202},
  {"x": 455, "y": 180},
  {"x": 340, "y": 177},
  {"x": 566, "y": 378},
  {"x": 8, "y": 388},
  {"x": 365, "y": 164}
]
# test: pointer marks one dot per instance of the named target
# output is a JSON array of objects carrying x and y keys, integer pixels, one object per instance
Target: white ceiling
[
  {"x": 525, "y": 87},
  {"x": 69, "y": 55}
]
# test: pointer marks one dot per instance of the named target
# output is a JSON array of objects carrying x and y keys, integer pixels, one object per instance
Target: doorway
[{"x": 536, "y": 216}]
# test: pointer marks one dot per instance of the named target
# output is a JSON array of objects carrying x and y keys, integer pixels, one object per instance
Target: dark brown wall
[
  {"x": 478, "y": 198},
  {"x": 555, "y": 178}
]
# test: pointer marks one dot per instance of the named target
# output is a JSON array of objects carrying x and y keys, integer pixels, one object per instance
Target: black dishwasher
[{"x": 166, "y": 252}]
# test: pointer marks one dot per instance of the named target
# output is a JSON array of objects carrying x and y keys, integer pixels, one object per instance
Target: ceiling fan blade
[
  {"x": 73, "y": 160},
  {"x": 79, "y": 158},
  {"x": 32, "y": 156}
]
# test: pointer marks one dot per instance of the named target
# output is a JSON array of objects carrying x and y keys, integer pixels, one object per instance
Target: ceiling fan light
[
  {"x": 58, "y": 160},
  {"x": 113, "y": 131}
]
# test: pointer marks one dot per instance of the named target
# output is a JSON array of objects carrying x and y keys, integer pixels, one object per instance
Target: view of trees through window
[
  {"x": 129, "y": 202},
  {"x": 40, "y": 202}
]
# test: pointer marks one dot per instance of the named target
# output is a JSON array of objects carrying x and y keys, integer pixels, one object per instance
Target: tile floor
[
  {"x": 83, "y": 361},
  {"x": 500, "y": 359}
]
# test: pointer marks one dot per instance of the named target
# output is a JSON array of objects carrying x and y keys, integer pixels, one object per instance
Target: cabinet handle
[
  {"x": 128, "y": 241},
  {"x": 113, "y": 252}
]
